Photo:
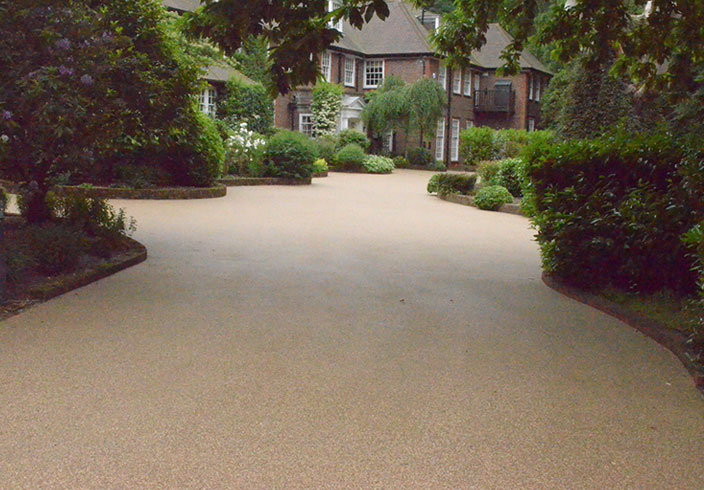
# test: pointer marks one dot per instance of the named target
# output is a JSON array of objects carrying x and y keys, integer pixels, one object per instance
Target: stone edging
[
  {"x": 247, "y": 181},
  {"x": 167, "y": 193},
  {"x": 469, "y": 201},
  {"x": 68, "y": 282},
  {"x": 672, "y": 340}
]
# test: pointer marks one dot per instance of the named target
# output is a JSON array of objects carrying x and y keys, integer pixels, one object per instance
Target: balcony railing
[{"x": 497, "y": 100}]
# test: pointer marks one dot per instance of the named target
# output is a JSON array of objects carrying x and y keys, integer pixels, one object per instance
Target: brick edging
[
  {"x": 469, "y": 201},
  {"x": 164, "y": 193},
  {"x": 68, "y": 282},
  {"x": 672, "y": 340},
  {"x": 248, "y": 181}
]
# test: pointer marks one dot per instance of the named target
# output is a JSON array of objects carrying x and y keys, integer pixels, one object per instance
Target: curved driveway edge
[{"x": 672, "y": 340}]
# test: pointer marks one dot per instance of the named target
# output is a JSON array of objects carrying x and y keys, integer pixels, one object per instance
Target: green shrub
[
  {"x": 477, "y": 144},
  {"x": 142, "y": 176},
  {"x": 492, "y": 197},
  {"x": 509, "y": 142},
  {"x": 452, "y": 184},
  {"x": 350, "y": 158},
  {"x": 400, "y": 162},
  {"x": 56, "y": 247},
  {"x": 350, "y": 136},
  {"x": 290, "y": 154},
  {"x": 245, "y": 152},
  {"x": 509, "y": 175},
  {"x": 420, "y": 157},
  {"x": 488, "y": 172},
  {"x": 327, "y": 147},
  {"x": 242, "y": 102},
  {"x": 375, "y": 164},
  {"x": 611, "y": 211},
  {"x": 320, "y": 166}
]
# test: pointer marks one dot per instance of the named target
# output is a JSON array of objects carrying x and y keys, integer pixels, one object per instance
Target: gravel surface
[{"x": 356, "y": 333}]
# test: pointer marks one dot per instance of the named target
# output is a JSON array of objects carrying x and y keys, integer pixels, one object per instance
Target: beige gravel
[{"x": 356, "y": 333}]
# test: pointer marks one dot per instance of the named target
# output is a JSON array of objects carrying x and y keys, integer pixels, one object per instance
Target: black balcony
[{"x": 497, "y": 100}]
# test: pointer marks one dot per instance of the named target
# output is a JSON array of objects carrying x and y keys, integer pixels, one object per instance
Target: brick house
[{"x": 399, "y": 46}]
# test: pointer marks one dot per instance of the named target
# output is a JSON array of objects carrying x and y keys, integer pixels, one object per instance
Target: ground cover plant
[{"x": 376, "y": 164}]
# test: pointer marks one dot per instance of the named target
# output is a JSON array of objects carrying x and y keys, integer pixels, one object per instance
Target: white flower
[{"x": 4, "y": 138}]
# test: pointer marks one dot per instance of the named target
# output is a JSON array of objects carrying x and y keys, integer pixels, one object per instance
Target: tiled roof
[
  {"x": 223, "y": 73},
  {"x": 496, "y": 40},
  {"x": 182, "y": 5}
]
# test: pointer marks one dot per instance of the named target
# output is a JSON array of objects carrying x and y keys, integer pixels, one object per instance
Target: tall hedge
[
  {"x": 244, "y": 102},
  {"x": 613, "y": 211}
]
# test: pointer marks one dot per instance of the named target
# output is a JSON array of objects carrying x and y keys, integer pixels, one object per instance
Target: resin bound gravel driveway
[{"x": 356, "y": 333}]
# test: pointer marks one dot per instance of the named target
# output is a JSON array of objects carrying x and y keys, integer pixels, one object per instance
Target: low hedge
[
  {"x": 452, "y": 184},
  {"x": 375, "y": 164},
  {"x": 508, "y": 173},
  {"x": 613, "y": 211},
  {"x": 291, "y": 155},
  {"x": 350, "y": 158},
  {"x": 492, "y": 197}
]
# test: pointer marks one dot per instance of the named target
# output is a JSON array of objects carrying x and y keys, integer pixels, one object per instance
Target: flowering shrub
[
  {"x": 326, "y": 107},
  {"x": 375, "y": 164},
  {"x": 245, "y": 151}
]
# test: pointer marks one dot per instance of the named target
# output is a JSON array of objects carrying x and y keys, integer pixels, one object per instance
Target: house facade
[{"x": 398, "y": 46}]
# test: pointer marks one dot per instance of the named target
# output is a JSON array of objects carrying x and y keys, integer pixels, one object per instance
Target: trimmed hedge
[
  {"x": 452, "y": 184},
  {"x": 375, "y": 164},
  {"x": 350, "y": 158},
  {"x": 290, "y": 154},
  {"x": 508, "y": 173},
  {"x": 350, "y": 136},
  {"x": 612, "y": 211}
]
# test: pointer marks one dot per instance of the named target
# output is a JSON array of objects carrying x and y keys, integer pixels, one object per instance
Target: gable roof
[{"x": 496, "y": 41}]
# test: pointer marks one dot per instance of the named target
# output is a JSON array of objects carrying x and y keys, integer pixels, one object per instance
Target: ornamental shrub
[
  {"x": 612, "y": 211},
  {"x": 492, "y": 197},
  {"x": 327, "y": 147},
  {"x": 326, "y": 107},
  {"x": 488, "y": 172},
  {"x": 55, "y": 247},
  {"x": 290, "y": 154},
  {"x": 320, "y": 166},
  {"x": 350, "y": 136},
  {"x": 420, "y": 157},
  {"x": 452, "y": 184},
  {"x": 246, "y": 103},
  {"x": 375, "y": 164},
  {"x": 400, "y": 162},
  {"x": 244, "y": 152},
  {"x": 510, "y": 175},
  {"x": 477, "y": 144},
  {"x": 509, "y": 142},
  {"x": 350, "y": 158}
]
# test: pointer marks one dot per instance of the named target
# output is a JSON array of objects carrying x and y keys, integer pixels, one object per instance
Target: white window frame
[
  {"x": 531, "y": 124},
  {"x": 442, "y": 76},
  {"x": 373, "y": 64},
  {"x": 467, "y": 83},
  {"x": 206, "y": 101},
  {"x": 477, "y": 82},
  {"x": 455, "y": 141},
  {"x": 350, "y": 75},
  {"x": 469, "y": 124},
  {"x": 334, "y": 5},
  {"x": 457, "y": 81},
  {"x": 538, "y": 88},
  {"x": 440, "y": 140},
  {"x": 302, "y": 125},
  {"x": 530, "y": 87},
  {"x": 326, "y": 65},
  {"x": 388, "y": 146}
]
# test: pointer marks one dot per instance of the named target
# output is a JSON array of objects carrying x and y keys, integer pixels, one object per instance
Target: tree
[
  {"x": 294, "y": 30},
  {"x": 413, "y": 108},
  {"x": 248, "y": 103}
]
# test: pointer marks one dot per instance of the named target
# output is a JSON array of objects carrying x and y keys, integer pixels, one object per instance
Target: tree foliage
[
  {"x": 244, "y": 102},
  {"x": 326, "y": 107}
]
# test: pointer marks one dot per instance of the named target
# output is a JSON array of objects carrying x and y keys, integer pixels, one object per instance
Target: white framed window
[
  {"x": 350, "y": 71},
  {"x": 538, "y": 87},
  {"x": 388, "y": 145},
  {"x": 373, "y": 73},
  {"x": 442, "y": 76},
  {"x": 530, "y": 87},
  {"x": 440, "y": 140},
  {"x": 470, "y": 124},
  {"x": 326, "y": 66},
  {"x": 467, "y": 82},
  {"x": 455, "y": 141},
  {"x": 531, "y": 124},
  {"x": 457, "y": 81},
  {"x": 305, "y": 124},
  {"x": 334, "y": 5},
  {"x": 477, "y": 82},
  {"x": 206, "y": 101}
]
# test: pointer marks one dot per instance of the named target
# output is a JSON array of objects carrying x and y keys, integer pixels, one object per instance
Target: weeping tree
[{"x": 411, "y": 109}]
